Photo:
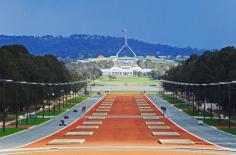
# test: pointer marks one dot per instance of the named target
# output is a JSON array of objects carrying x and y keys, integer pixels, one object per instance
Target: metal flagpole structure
[{"x": 125, "y": 45}]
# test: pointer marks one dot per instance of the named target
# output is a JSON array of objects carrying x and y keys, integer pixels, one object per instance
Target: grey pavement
[
  {"x": 190, "y": 124},
  {"x": 124, "y": 88},
  {"x": 47, "y": 128}
]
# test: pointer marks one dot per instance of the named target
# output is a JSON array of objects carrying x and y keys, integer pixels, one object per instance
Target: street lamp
[
  {"x": 4, "y": 104},
  {"x": 43, "y": 84},
  {"x": 48, "y": 100},
  {"x": 229, "y": 101}
]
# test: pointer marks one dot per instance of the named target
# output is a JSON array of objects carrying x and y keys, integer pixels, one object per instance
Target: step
[
  {"x": 109, "y": 100},
  {"x": 88, "y": 127},
  {"x": 96, "y": 117},
  {"x": 148, "y": 114},
  {"x": 145, "y": 110},
  {"x": 92, "y": 123},
  {"x": 165, "y": 134},
  {"x": 158, "y": 127},
  {"x": 99, "y": 114},
  {"x": 104, "y": 107},
  {"x": 74, "y": 133},
  {"x": 142, "y": 104},
  {"x": 154, "y": 123},
  {"x": 151, "y": 117},
  {"x": 176, "y": 141},
  {"x": 103, "y": 110},
  {"x": 140, "y": 100},
  {"x": 105, "y": 104},
  {"x": 66, "y": 141},
  {"x": 146, "y": 107}
]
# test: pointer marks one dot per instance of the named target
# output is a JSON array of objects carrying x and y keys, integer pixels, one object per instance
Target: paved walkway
[
  {"x": 122, "y": 120},
  {"x": 124, "y": 88},
  {"x": 45, "y": 129},
  {"x": 190, "y": 124}
]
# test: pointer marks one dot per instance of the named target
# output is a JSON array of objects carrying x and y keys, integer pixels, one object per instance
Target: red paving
[{"x": 122, "y": 131}]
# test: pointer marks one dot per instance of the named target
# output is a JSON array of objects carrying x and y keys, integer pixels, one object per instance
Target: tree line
[
  {"x": 88, "y": 70},
  {"x": 159, "y": 67},
  {"x": 210, "y": 67},
  {"x": 17, "y": 64}
]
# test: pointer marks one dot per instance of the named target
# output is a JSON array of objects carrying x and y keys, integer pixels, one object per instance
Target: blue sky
[{"x": 195, "y": 23}]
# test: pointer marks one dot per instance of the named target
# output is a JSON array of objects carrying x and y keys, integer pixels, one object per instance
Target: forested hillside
[{"x": 85, "y": 46}]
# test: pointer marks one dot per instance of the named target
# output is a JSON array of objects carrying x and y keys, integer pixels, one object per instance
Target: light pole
[
  {"x": 4, "y": 104},
  {"x": 42, "y": 85},
  {"x": 17, "y": 105},
  {"x": 48, "y": 100},
  {"x": 229, "y": 101},
  {"x": 63, "y": 98},
  {"x": 229, "y": 104}
]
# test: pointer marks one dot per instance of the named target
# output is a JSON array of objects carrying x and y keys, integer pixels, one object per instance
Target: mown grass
[
  {"x": 39, "y": 120},
  {"x": 183, "y": 106},
  {"x": 229, "y": 130},
  {"x": 104, "y": 80},
  {"x": 212, "y": 122},
  {"x": 9, "y": 131},
  {"x": 33, "y": 121},
  {"x": 216, "y": 122}
]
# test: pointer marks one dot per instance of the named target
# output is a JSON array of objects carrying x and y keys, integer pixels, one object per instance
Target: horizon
[
  {"x": 67, "y": 36},
  {"x": 197, "y": 24}
]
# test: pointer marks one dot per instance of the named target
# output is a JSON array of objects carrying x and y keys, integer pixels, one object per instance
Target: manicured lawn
[
  {"x": 195, "y": 113},
  {"x": 52, "y": 112},
  {"x": 212, "y": 122},
  {"x": 39, "y": 120},
  {"x": 229, "y": 130},
  {"x": 215, "y": 122},
  {"x": 10, "y": 131},
  {"x": 33, "y": 121},
  {"x": 180, "y": 105},
  {"x": 78, "y": 99},
  {"x": 129, "y": 80}
]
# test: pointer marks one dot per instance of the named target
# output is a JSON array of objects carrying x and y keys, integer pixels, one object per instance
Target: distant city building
[
  {"x": 151, "y": 57},
  {"x": 101, "y": 57},
  {"x": 125, "y": 66}
]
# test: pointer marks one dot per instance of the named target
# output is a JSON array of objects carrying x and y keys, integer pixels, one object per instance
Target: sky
[{"x": 207, "y": 24}]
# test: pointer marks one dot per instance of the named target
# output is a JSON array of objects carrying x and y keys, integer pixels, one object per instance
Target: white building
[
  {"x": 120, "y": 71},
  {"x": 124, "y": 66}
]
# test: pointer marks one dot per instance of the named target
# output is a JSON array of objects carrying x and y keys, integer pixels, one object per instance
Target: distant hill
[{"x": 85, "y": 46}]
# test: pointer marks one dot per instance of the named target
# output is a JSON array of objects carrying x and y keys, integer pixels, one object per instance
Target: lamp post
[
  {"x": 4, "y": 105},
  {"x": 17, "y": 105},
  {"x": 42, "y": 85},
  {"x": 229, "y": 101},
  {"x": 63, "y": 98},
  {"x": 48, "y": 100},
  {"x": 229, "y": 104}
]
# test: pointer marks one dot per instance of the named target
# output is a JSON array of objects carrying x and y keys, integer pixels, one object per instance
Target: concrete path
[
  {"x": 47, "y": 128},
  {"x": 124, "y": 88},
  {"x": 190, "y": 124}
]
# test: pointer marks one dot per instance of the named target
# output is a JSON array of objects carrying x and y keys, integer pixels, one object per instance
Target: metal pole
[
  {"x": 63, "y": 99},
  {"x": 229, "y": 106},
  {"x": 211, "y": 110},
  {"x": 70, "y": 94},
  {"x": 204, "y": 113},
  {"x": 59, "y": 99},
  {"x": 17, "y": 105},
  {"x": 4, "y": 107},
  {"x": 27, "y": 104},
  {"x": 43, "y": 100}
]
